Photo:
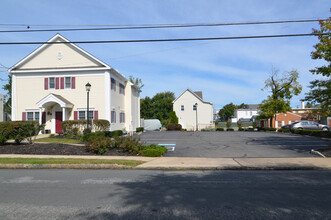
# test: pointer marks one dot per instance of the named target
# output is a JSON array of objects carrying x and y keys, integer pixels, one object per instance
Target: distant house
[
  {"x": 48, "y": 86},
  {"x": 245, "y": 114},
  {"x": 281, "y": 119},
  {"x": 192, "y": 111}
]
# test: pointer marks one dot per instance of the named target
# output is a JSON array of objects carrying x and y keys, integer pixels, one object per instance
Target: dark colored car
[{"x": 307, "y": 125}]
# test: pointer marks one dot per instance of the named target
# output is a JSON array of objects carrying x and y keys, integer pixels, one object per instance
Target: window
[
  {"x": 194, "y": 107},
  {"x": 122, "y": 117},
  {"x": 33, "y": 116},
  {"x": 52, "y": 83},
  {"x": 113, "y": 84},
  {"x": 182, "y": 108},
  {"x": 279, "y": 124},
  {"x": 113, "y": 117},
  {"x": 122, "y": 89},
  {"x": 82, "y": 115},
  {"x": 68, "y": 82}
]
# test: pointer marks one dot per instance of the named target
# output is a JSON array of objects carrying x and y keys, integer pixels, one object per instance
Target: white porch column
[
  {"x": 40, "y": 117},
  {"x": 64, "y": 115}
]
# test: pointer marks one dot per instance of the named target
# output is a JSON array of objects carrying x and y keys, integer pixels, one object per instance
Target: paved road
[
  {"x": 235, "y": 144},
  {"x": 134, "y": 194}
]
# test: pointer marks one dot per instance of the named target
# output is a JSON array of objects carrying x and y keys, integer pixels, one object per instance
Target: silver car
[{"x": 308, "y": 125}]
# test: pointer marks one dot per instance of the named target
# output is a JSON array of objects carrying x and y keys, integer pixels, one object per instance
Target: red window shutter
[
  {"x": 23, "y": 116},
  {"x": 46, "y": 84},
  {"x": 75, "y": 115},
  {"x": 43, "y": 119},
  {"x": 57, "y": 83},
  {"x": 62, "y": 82},
  {"x": 73, "y": 82},
  {"x": 96, "y": 115}
]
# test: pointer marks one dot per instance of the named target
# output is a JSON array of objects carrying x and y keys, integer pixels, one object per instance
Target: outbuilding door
[{"x": 58, "y": 120}]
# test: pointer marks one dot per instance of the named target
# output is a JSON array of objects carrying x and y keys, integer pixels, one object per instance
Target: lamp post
[
  {"x": 196, "y": 117},
  {"x": 88, "y": 88}
]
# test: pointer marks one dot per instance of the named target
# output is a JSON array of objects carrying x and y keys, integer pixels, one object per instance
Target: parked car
[{"x": 307, "y": 125}]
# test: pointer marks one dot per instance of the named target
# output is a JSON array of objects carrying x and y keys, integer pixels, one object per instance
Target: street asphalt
[
  {"x": 234, "y": 144},
  {"x": 143, "y": 194}
]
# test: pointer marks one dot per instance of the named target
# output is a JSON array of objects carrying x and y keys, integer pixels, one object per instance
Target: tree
[
  {"x": 228, "y": 110},
  {"x": 137, "y": 82},
  {"x": 282, "y": 89},
  {"x": 7, "y": 87},
  {"x": 158, "y": 107},
  {"x": 173, "y": 119},
  {"x": 320, "y": 89}
]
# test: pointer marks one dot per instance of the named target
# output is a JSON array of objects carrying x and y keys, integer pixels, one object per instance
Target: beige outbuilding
[
  {"x": 192, "y": 111},
  {"x": 49, "y": 86}
]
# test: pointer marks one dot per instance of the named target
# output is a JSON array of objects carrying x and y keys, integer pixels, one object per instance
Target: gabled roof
[
  {"x": 194, "y": 94},
  {"x": 250, "y": 107},
  {"x": 53, "y": 98},
  {"x": 57, "y": 38}
]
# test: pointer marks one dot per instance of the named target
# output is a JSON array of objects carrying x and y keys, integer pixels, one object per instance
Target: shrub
[
  {"x": 139, "y": 129},
  {"x": 87, "y": 137},
  {"x": 78, "y": 126},
  {"x": 152, "y": 150},
  {"x": 130, "y": 144},
  {"x": 19, "y": 131},
  {"x": 241, "y": 129},
  {"x": 254, "y": 124},
  {"x": 219, "y": 129},
  {"x": 99, "y": 144},
  {"x": 229, "y": 129},
  {"x": 216, "y": 123},
  {"x": 228, "y": 124},
  {"x": 174, "y": 127},
  {"x": 173, "y": 119},
  {"x": 284, "y": 130},
  {"x": 116, "y": 133},
  {"x": 164, "y": 123},
  {"x": 266, "y": 129},
  {"x": 313, "y": 133}
]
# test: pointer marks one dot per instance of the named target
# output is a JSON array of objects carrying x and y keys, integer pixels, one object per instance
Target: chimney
[{"x": 302, "y": 104}]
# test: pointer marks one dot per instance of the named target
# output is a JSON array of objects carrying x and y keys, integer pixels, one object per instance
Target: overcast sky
[{"x": 224, "y": 70}]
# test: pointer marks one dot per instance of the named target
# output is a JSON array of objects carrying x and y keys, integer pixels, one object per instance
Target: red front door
[{"x": 58, "y": 120}]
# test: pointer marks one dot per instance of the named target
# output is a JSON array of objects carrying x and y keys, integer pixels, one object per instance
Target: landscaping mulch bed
[{"x": 55, "y": 149}]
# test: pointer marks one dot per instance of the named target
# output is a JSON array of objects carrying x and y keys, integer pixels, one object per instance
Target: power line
[
  {"x": 166, "y": 40},
  {"x": 126, "y": 27}
]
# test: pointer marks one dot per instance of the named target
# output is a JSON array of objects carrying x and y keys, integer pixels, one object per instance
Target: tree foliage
[
  {"x": 158, "y": 107},
  {"x": 7, "y": 87},
  {"x": 320, "y": 89},
  {"x": 282, "y": 89},
  {"x": 137, "y": 82},
  {"x": 228, "y": 110}
]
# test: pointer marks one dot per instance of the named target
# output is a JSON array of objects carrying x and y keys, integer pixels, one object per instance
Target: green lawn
[
  {"x": 58, "y": 140},
  {"x": 131, "y": 163}
]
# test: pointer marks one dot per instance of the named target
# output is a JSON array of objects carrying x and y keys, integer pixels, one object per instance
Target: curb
[
  {"x": 122, "y": 167},
  {"x": 312, "y": 151},
  {"x": 63, "y": 166}
]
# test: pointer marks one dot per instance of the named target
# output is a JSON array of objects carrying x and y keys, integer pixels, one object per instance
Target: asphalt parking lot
[{"x": 234, "y": 144}]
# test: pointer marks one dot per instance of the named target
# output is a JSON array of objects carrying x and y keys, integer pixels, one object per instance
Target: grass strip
[
  {"x": 131, "y": 163},
  {"x": 58, "y": 140}
]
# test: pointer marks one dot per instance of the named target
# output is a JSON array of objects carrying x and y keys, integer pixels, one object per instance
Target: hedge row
[
  {"x": 74, "y": 127},
  {"x": 18, "y": 131},
  {"x": 174, "y": 127},
  {"x": 101, "y": 144},
  {"x": 316, "y": 133}
]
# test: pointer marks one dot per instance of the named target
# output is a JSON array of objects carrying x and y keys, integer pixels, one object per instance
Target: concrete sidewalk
[{"x": 206, "y": 163}]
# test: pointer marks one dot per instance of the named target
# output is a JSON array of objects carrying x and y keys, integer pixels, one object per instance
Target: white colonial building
[
  {"x": 49, "y": 86},
  {"x": 192, "y": 111},
  {"x": 245, "y": 114}
]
